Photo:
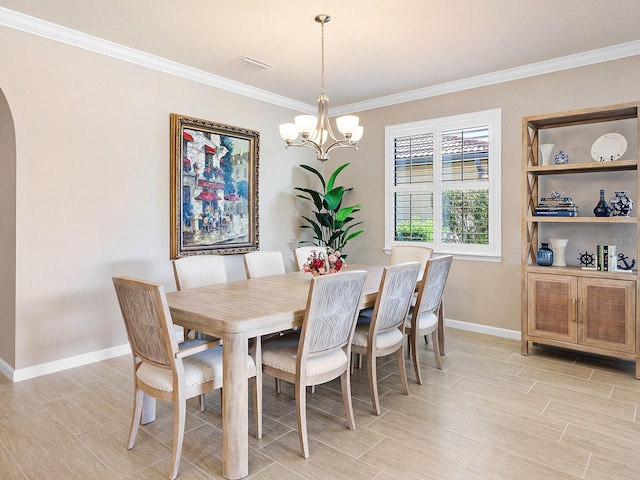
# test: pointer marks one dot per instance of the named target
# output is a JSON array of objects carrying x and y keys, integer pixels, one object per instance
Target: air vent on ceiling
[{"x": 251, "y": 63}]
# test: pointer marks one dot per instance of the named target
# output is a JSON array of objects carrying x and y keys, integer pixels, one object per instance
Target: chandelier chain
[{"x": 322, "y": 58}]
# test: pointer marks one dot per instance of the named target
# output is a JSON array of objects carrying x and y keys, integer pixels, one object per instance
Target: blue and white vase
[
  {"x": 621, "y": 204},
  {"x": 561, "y": 158}
]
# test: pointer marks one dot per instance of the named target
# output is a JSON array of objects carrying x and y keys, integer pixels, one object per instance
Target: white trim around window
[{"x": 430, "y": 171}]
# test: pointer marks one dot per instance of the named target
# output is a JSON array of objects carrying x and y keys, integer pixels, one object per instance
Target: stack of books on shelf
[
  {"x": 606, "y": 259},
  {"x": 556, "y": 207}
]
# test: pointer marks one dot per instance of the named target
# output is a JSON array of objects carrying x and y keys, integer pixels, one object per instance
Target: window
[{"x": 443, "y": 184}]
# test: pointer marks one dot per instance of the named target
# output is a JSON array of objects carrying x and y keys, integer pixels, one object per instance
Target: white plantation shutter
[{"x": 443, "y": 181}]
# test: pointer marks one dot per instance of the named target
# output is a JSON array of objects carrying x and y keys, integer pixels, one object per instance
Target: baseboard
[
  {"x": 70, "y": 362},
  {"x": 6, "y": 369},
  {"x": 92, "y": 357},
  {"x": 485, "y": 329},
  {"x": 63, "y": 364}
]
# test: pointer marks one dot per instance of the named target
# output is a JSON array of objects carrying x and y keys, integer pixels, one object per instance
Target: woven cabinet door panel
[
  {"x": 607, "y": 314},
  {"x": 552, "y": 306}
]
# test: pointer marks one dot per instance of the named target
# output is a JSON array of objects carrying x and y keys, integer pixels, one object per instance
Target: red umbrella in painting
[
  {"x": 187, "y": 137},
  {"x": 209, "y": 149},
  {"x": 232, "y": 197},
  {"x": 207, "y": 196}
]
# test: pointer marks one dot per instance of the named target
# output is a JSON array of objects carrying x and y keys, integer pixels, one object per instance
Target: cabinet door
[
  {"x": 552, "y": 306},
  {"x": 606, "y": 314}
]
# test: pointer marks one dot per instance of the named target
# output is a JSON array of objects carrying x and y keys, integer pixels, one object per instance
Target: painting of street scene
[{"x": 217, "y": 184}]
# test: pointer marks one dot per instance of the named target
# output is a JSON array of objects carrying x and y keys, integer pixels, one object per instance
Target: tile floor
[{"x": 490, "y": 414}]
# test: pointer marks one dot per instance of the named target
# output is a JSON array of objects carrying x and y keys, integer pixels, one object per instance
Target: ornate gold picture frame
[{"x": 214, "y": 188}]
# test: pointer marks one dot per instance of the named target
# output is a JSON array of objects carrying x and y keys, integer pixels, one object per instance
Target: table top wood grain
[{"x": 255, "y": 306}]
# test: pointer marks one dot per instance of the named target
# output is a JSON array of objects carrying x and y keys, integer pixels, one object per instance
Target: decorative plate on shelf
[{"x": 609, "y": 147}]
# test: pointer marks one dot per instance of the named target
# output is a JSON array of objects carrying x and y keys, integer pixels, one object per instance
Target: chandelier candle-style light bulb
[{"x": 316, "y": 130}]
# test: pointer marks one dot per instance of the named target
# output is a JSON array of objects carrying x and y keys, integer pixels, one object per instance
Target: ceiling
[{"x": 372, "y": 49}]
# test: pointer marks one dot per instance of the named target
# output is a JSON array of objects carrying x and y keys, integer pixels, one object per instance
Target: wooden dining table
[{"x": 236, "y": 312}]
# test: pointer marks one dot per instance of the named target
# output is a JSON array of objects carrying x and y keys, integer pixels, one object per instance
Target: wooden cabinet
[
  {"x": 568, "y": 306},
  {"x": 590, "y": 313}
]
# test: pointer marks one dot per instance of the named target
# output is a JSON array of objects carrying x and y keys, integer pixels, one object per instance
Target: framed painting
[{"x": 214, "y": 188}]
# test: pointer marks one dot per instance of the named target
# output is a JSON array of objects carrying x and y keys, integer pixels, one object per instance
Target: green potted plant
[{"x": 332, "y": 223}]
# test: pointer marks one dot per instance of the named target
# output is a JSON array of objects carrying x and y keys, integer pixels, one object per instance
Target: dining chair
[
  {"x": 166, "y": 370},
  {"x": 410, "y": 253},
  {"x": 423, "y": 316},
  {"x": 321, "y": 350},
  {"x": 199, "y": 271},
  {"x": 301, "y": 254},
  {"x": 263, "y": 263},
  {"x": 384, "y": 333}
]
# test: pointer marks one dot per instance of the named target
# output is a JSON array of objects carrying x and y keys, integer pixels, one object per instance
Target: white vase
[
  {"x": 558, "y": 245},
  {"x": 545, "y": 152}
]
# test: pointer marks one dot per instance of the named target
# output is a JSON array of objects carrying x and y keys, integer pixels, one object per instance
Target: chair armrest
[{"x": 200, "y": 347}]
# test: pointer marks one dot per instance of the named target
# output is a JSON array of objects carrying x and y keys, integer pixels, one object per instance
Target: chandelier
[{"x": 316, "y": 132}]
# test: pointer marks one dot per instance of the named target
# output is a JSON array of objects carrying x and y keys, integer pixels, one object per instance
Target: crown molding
[
  {"x": 36, "y": 26},
  {"x": 52, "y": 31},
  {"x": 568, "y": 62}
]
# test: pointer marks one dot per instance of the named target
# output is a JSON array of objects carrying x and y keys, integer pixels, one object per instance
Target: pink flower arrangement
[{"x": 324, "y": 261}]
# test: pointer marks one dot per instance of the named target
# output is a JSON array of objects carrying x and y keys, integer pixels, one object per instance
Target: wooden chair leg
[
  {"x": 257, "y": 404},
  {"x": 402, "y": 370},
  {"x": 201, "y": 400},
  {"x": 301, "y": 410},
  {"x": 179, "y": 413},
  {"x": 136, "y": 416},
  {"x": 413, "y": 341},
  {"x": 436, "y": 349},
  {"x": 345, "y": 382},
  {"x": 373, "y": 382}
]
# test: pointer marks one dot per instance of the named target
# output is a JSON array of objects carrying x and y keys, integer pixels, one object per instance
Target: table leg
[
  {"x": 235, "y": 415},
  {"x": 148, "y": 409}
]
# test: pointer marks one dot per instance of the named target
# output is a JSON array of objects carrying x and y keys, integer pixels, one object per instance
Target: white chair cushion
[
  {"x": 385, "y": 339},
  {"x": 281, "y": 353},
  {"x": 425, "y": 320},
  {"x": 198, "y": 369}
]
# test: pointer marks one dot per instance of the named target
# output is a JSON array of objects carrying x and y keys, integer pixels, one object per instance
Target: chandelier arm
[
  {"x": 307, "y": 144},
  {"x": 342, "y": 144}
]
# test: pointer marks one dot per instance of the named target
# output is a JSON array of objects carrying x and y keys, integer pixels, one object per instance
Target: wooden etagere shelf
[
  {"x": 617, "y": 166},
  {"x": 571, "y": 307}
]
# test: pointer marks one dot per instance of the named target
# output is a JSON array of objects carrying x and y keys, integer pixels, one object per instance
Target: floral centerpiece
[{"x": 324, "y": 261}]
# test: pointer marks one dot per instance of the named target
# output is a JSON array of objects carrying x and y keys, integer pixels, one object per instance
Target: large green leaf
[
  {"x": 324, "y": 219},
  {"x": 314, "y": 197},
  {"x": 332, "y": 178},
  {"x": 343, "y": 213},
  {"x": 333, "y": 198},
  {"x": 313, "y": 225},
  {"x": 318, "y": 174}
]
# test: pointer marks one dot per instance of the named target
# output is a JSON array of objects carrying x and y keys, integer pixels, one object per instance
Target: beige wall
[
  {"x": 7, "y": 233},
  {"x": 92, "y": 188},
  {"x": 483, "y": 292}
]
